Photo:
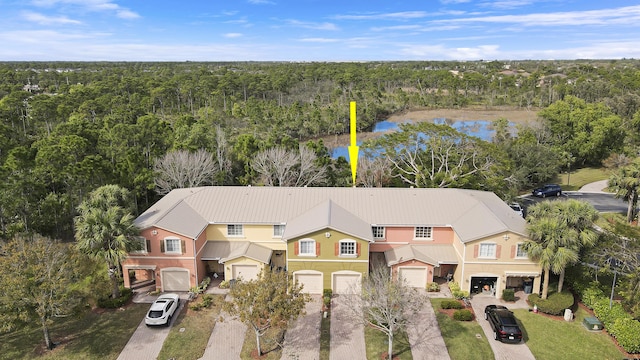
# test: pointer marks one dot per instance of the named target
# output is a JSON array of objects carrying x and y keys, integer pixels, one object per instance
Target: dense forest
[{"x": 68, "y": 128}]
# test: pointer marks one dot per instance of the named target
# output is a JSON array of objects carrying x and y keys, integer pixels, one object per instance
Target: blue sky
[{"x": 317, "y": 30}]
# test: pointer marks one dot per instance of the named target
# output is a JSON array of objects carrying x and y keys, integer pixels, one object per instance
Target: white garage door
[
  {"x": 175, "y": 280},
  {"x": 312, "y": 283},
  {"x": 245, "y": 272},
  {"x": 347, "y": 283},
  {"x": 415, "y": 277}
]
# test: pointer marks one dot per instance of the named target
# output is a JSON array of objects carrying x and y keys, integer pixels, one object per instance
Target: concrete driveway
[
  {"x": 501, "y": 350},
  {"x": 146, "y": 342},
  {"x": 347, "y": 335},
  {"x": 302, "y": 340},
  {"x": 226, "y": 339}
]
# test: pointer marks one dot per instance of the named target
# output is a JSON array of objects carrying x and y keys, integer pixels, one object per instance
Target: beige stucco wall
[
  {"x": 503, "y": 264},
  {"x": 259, "y": 234}
]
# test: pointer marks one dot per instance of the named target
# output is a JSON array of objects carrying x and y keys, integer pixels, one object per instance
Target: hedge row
[
  {"x": 109, "y": 303},
  {"x": 456, "y": 292},
  {"x": 554, "y": 304},
  {"x": 617, "y": 321}
]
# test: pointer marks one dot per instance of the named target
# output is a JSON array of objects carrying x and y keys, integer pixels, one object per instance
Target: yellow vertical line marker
[{"x": 353, "y": 148}]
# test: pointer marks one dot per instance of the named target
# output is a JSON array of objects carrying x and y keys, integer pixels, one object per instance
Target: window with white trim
[
  {"x": 487, "y": 251},
  {"x": 520, "y": 252},
  {"x": 234, "y": 230},
  {"x": 307, "y": 247},
  {"x": 141, "y": 246},
  {"x": 348, "y": 248},
  {"x": 378, "y": 232},
  {"x": 172, "y": 245},
  {"x": 423, "y": 232},
  {"x": 278, "y": 230}
]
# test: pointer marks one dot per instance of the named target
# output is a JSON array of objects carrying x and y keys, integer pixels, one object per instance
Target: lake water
[{"x": 482, "y": 129}]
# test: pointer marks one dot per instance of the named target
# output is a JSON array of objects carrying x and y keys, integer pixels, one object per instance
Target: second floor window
[
  {"x": 347, "y": 248},
  {"x": 487, "y": 251},
  {"x": 307, "y": 247},
  {"x": 278, "y": 230},
  {"x": 520, "y": 253},
  {"x": 423, "y": 232},
  {"x": 378, "y": 232},
  {"x": 172, "y": 246},
  {"x": 234, "y": 230}
]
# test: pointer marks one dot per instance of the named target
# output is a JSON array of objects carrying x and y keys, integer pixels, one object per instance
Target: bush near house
[
  {"x": 109, "y": 303},
  {"x": 618, "y": 324},
  {"x": 508, "y": 295},
  {"x": 451, "y": 304},
  {"x": 463, "y": 315},
  {"x": 433, "y": 287},
  {"x": 456, "y": 292},
  {"x": 554, "y": 304}
]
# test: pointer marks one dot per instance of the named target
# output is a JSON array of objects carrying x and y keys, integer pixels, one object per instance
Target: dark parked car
[
  {"x": 547, "y": 190},
  {"x": 503, "y": 323}
]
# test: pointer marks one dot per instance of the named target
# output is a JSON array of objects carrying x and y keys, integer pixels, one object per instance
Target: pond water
[{"x": 482, "y": 129}]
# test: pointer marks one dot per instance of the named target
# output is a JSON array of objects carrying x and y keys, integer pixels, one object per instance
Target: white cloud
[
  {"x": 312, "y": 25},
  {"x": 232, "y": 35},
  {"x": 48, "y": 20},
  {"x": 454, "y": 1},
  {"x": 506, "y": 4},
  {"x": 91, "y": 5},
  {"x": 261, "y": 2},
  {"x": 318, "y": 40},
  {"x": 404, "y": 15},
  {"x": 623, "y": 15}
]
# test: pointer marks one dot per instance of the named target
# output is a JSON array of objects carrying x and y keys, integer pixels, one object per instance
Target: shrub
[
  {"x": 207, "y": 300},
  {"x": 509, "y": 295},
  {"x": 626, "y": 331},
  {"x": 224, "y": 284},
  {"x": 433, "y": 287},
  {"x": 460, "y": 294},
  {"x": 554, "y": 304},
  {"x": 607, "y": 315},
  {"x": 591, "y": 294},
  {"x": 453, "y": 286},
  {"x": 327, "y": 293},
  {"x": 463, "y": 315},
  {"x": 109, "y": 303},
  {"x": 196, "y": 306},
  {"x": 451, "y": 304}
]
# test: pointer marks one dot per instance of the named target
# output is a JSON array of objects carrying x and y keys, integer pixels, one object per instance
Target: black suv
[
  {"x": 546, "y": 190},
  {"x": 503, "y": 323}
]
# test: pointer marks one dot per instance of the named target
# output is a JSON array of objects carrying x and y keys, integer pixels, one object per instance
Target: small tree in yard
[
  {"x": 386, "y": 304},
  {"x": 270, "y": 301},
  {"x": 40, "y": 281}
]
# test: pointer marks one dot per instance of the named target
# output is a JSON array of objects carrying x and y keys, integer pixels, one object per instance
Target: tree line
[{"x": 69, "y": 128}]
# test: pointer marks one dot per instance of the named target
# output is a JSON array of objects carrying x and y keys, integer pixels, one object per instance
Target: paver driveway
[
  {"x": 347, "y": 335},
  {"x": 501, "y": 350},
  {"x": 302, "y": 339},
  {"x": 424, "y": 336}
]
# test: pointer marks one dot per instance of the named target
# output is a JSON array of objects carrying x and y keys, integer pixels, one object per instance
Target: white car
[
  {"x": 517, "y": 208},
  {"x": 162, "y": 310}
]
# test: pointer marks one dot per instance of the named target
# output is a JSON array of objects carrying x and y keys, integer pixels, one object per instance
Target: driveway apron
[
  {"x": 424, "y": 336},
  {"x": 347, "y": 335},
  {"x": 501, "y": 350},
  {"x": 226, "y": 339},
  {"x": 302, "y": 340}
]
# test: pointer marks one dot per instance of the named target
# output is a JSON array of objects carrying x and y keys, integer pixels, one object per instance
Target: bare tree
[
  {"x": 374, "y": 172},
  {"x": 182, "y": 169},
  {"x": 387, "y": 304},
  {"x": 278, "y": 166},
  {"x": 222, "y": 155}
]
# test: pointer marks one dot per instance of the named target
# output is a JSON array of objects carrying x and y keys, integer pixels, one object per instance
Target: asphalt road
[{"x": 603, "y": 202}]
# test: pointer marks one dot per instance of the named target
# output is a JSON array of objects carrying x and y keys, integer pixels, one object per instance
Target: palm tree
[
  {"x": 104, "y": 229},
  {"x": 558, "y": 231},
  {"x": 626, "y": 183}
]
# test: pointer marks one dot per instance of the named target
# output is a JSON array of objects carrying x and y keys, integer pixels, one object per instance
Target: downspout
[
  {"x": 464, "y": 260},
  {"x": 195, "y": 262}
]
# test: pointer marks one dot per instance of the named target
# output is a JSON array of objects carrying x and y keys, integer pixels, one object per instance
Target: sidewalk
[{"x": 595, "y": 187}]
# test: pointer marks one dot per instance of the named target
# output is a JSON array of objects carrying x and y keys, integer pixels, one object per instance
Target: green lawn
[
  {"x": 461, "y": 336},
  {"x": 90, "y": 336},
  {"x": 577, "y": 178},
  {"x": 377, "y": 343},
  {"x": 558, "y": 339},
  {"x": 190, "y": 343}
]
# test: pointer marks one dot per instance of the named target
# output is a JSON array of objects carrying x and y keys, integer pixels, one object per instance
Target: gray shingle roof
[{"x": 472, "y": 214}]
